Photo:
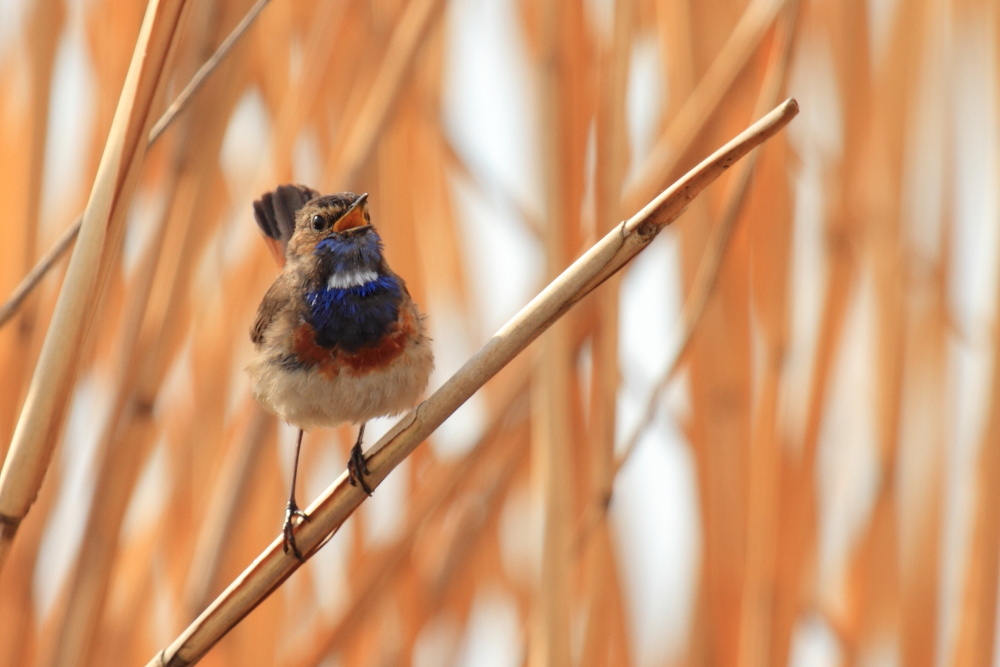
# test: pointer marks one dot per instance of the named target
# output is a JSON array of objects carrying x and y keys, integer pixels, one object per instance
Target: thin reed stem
[{"x": 65, "y": 242}]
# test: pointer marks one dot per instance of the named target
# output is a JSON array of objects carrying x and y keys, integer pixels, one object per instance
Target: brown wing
[
  {"x": 270, "y": 306},
  {"x": 275, "y": 214}
]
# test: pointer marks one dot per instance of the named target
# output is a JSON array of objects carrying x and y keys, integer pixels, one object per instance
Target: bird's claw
[
  {"x": 357, "y": 468},
  {"x": 288, "y": 542}
]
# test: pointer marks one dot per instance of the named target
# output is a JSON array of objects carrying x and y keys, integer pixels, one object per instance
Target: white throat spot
[{"x": 348, "y": 279}]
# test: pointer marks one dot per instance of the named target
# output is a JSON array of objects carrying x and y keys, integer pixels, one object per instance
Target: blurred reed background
[{"x": 774, "y": 439}]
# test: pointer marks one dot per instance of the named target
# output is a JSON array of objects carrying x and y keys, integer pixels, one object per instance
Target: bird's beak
[{"x": 355, "y": 216}]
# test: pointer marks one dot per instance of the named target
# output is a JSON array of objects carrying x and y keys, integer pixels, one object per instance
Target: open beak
[{"x": 355, "y": 216}]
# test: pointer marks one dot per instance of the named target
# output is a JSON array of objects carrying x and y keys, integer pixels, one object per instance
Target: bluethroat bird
[{"x": 337, "y": 337}]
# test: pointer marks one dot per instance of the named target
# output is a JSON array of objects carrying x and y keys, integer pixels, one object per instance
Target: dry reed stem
[
  {"x": 874, "y": 600},
  {"x": 925, "y": 439},
  {"x": 22, "y": 175},
  {"x": 718, "y": 425},
  {"x": 116, "y": 472},
  {"x": 333, "y": 507},
  {"x": 299, "y": 101},
  {"x": 479, "y": 509},
  {"x": 701, "y": 104},
  {"x": 975, "y": 643},
  {"x": 675, "y": 34},
  {"x": 489, "y": 184},
  {"x": 438, "y": 490},
  {"x": 226, "y": 498},
  {"x": 20, "y": 619},
  {"x": 701, "y": 290},
  {"x": 409, "y": 36},
  {"x": 103, "y": 224},
  {"x": 167, "y": 322},
  {"x": 551, "y": 424},
  {"x": 45, "y": 264},
  {"x": 770, "y": 283},
  {"x": 44, "y": 26},
  {"x": 921, "y": 493},
  {"x": 129, "y": 431},
  {"x": 45, "y": 23},
  {"x": 977, "y": 625},
  {"x": 708, "y": 270},
  {"x": 601, "y": 594},
  {"x": 182, "y": 100},
  {"x": 798, "y": 532}
]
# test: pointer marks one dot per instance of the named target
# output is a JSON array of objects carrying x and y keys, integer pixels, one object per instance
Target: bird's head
[
  {"x": 337, "y": 225},
  {"x": 334, "y": 242}
]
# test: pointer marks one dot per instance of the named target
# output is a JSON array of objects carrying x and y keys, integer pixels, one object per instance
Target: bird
[{"x": 337, "y": 337}]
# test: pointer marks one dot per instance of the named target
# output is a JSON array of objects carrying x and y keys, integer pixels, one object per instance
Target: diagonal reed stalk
[
  {"x": 44, "y": 265},
  {"x": 340, "y": 500},
  {"x": 702, "y": 103},
  {"x": 65, "y": 242},
  {"x": 100, "y": 233}
]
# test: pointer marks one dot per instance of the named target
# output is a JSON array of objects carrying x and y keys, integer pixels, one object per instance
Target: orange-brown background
[{"x": 815, "y": 482}]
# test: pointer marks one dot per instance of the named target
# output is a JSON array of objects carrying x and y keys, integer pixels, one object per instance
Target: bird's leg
[
  {"x": 292, "y": 509},
  {"x": 356, "y": 466}
]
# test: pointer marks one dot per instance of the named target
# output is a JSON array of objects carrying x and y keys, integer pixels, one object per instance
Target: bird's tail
[{"x": 275, "y": 214}]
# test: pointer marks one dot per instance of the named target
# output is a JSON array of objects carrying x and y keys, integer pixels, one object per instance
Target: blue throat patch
[
  {"x": 353, "y": 317},
  {"x": 342, "y": 255}
]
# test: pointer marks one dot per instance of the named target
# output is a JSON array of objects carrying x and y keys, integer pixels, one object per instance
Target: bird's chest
[
  {"x": 352, "y": 312},
  {"x": 310, "y": 386},
  {"x": 354, "y": 328},
  {"x": 332, "y": 362}
]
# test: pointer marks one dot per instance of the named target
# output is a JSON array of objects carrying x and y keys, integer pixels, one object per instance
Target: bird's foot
[
  {"x": 288, "y": 543},
  {"x": 357, "y": 469}
]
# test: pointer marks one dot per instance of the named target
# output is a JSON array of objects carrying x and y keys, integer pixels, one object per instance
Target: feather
[{"x": 275, "y": 214}]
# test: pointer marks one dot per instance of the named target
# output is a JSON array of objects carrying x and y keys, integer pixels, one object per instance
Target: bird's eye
[{"x": 318, "y": 223}]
